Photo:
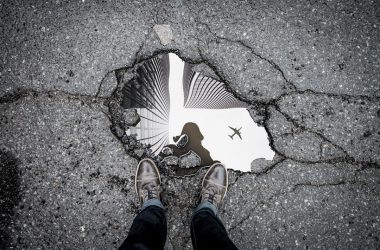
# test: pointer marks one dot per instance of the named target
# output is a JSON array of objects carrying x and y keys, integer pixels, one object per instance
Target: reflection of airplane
[{"x": 236, "y": 132}]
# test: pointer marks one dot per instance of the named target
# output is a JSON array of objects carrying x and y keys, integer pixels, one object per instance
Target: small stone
[
  {"x": 116, "y": 112},
  {"x": 167, "y": 151},
  {"x": 148, "y": 152},
  {"x": 139, "y": 152},
  {"x": 164, "y": 33},
  {"x": 132, "y": 142},
  {"x": 116, "y": 130},
  {"x": 131, "y": 117},
  {"x": 157, "y": 158},
  {"x": 171, "y": 160},
  {"x": 124, "y": 139},
  {"x": 189, "y": 160},
  {"x": 182, "y": 141}
]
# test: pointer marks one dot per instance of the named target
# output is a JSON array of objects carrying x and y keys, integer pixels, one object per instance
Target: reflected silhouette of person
[{"x": 195, "y": 136}]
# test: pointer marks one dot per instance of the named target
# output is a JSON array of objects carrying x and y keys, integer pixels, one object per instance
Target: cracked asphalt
[{"x": 310, "y": 71}]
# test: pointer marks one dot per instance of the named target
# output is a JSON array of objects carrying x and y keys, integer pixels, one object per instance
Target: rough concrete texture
[
  {"x": 310, "y": 68},
  {"x": 189, "y": 160},
  {"x": 260, "y": 165},
  {"x": 68, "y": 163},
  {"x": 351, "y": 123},
  {"x": 205, "y": 70},
  {"x": 170, "y": 160}
]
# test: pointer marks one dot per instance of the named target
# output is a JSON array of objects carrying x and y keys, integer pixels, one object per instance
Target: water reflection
[
  {"x": 148, "y": 92},
  {"x": 191, "y": 100},
  {"x": 194, "y": 143}
]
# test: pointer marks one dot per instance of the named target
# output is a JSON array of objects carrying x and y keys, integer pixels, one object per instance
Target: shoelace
[
  {"x": 211, "y": 198},
  {"x": 149, "y": 193},
  {"x": 211, "y": 192}
]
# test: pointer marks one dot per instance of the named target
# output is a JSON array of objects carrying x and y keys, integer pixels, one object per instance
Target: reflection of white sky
[{"x": 213, "y": 124}]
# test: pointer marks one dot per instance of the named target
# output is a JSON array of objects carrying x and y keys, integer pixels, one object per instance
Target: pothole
[{"x": 183, "y": 117}]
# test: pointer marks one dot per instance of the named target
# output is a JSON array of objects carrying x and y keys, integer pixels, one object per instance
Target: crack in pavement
[
  {"x": 304, "y": 129},
  {"x": 46, "y": 123},
  {"x": 300, "y": 129},
  {"x": 22, "y": 93},
  {"x": 294, "y": 88},
  {"x": 139, "y": 57},
  {"x": 102, "y": 82},
  {"x": 290, "y": 86},
  {"x": 293, "y": 188},
  {"x": 344, "y": 97},
  {"x": 14, "y": 96},
  {"x": 276, "y": 178},
  {"x": 264, "y": 171}
]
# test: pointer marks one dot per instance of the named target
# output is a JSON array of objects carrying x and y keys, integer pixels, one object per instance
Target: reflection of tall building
[
  {"x": 148, "y": 92},
  {"x": 206, "y": 93}
]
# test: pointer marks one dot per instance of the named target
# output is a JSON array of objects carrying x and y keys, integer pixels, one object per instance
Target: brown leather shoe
[
  {"x": 214, "y": 184},
  {"x": 147, "y": 180}
]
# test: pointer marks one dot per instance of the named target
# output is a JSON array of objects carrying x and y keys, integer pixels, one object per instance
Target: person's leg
[
  {"x": 149, "y": 228},
  {"x": 207, "y": 231}
]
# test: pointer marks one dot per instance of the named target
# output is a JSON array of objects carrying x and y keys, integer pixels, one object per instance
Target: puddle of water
[
  {"x": 215, "y": 124},
  {"x": 187, "y": 102},
  {"x": 149, "y": 94}
]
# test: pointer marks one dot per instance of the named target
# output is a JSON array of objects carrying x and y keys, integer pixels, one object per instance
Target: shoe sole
[
  {"x": 138, "y": 166},
  {"x": 225, "y": 169}
]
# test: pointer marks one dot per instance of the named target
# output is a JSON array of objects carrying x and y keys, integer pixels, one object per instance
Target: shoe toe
[{"x": 218, "y": 175}]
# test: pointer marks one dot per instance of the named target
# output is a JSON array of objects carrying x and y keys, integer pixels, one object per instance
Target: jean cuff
[
  {"x": 206, "y": 205},
  {"x": 152, "y": 202}
]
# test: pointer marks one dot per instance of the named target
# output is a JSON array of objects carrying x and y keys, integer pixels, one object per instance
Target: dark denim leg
[
  {"x": 148, "y": 230},
  {"x": 208, "y": 232}
]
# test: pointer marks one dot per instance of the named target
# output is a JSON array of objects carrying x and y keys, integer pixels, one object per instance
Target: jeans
[{"x": 149, "y": 229}]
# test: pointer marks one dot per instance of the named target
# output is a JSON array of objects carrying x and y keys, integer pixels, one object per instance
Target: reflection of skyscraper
[
  {"x": 148, "y": 92},
  {"x": 206, "y": 93}
]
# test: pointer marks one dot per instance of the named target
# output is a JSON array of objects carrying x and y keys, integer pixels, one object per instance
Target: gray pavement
[{"x": 309, "y": 69}]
